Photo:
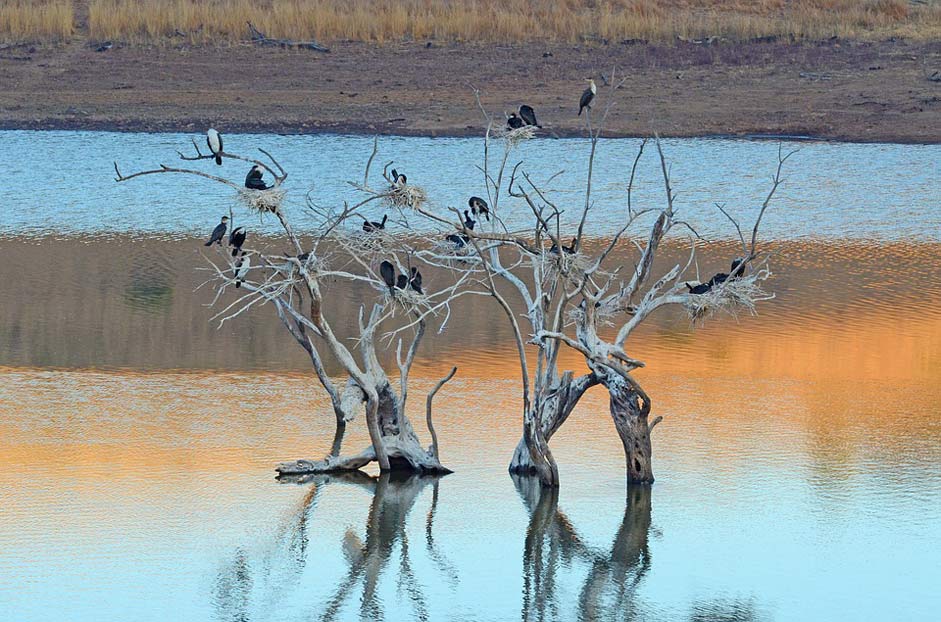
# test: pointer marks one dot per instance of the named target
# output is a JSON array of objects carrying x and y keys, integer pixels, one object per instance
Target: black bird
[
  {"x": 568, "y": 250},
  {"x": 241, "y": 269},
  {"x": 214, "y": 140},
  {"x": 479, "y": 206},
  {"x": 459, "y": 240},
  {"x": 253, "y": 180},
  {"x": 514, "y": 122},
  {"x": 702, "y": 288},
  {"x": 587, "y": 96},
  {"x": 718, "y": 279},
  {"x": 236, "y": 239},
  {"x": 370, "y": 226},
  {"x": 738, "y": 267},
  {"x": 398, "y": 179},
  {"x": 469, "y": 222},
  {"x": 395, "y": 176},
  {"x": 415, "y": 280},
  {"x": 104, "y": 47},
  {"x": 528, "y": 115},
  {"x": 218, "y": 233},
  {"x": 401, "y": 282},
  {"x": 387, "y": 272}
]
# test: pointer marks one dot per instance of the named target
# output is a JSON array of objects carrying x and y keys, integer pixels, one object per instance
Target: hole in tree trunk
[{"x": 636, "y": 465}]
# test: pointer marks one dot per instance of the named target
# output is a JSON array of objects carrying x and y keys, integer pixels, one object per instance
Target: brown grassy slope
[{"x": 480, "y": 21}]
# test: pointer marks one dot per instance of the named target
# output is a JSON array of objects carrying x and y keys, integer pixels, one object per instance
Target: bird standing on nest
[
  {"x": 253, "y": 180},
  {"x": 514, "y": 122},
  {"x": 370, "y": 226},
  {"x": 387, "y": 272},
  {"x": 587, "y": 97},
  {"x": 528, "y": 115}
]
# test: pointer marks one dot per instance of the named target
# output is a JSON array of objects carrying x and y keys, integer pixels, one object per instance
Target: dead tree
[
  {"x": 569, "y": 294},
  {"x": 293, "y": 284}
]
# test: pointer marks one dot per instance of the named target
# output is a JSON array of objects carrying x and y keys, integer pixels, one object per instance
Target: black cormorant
[
  {"x": 469, "y": 222},
  {"x": 718, "y": 279},
  {"x": 387, "y": 272},
  {"x": 514, "y": 122},
  {"x": 236, "y": 239},
  {"x": 568, "y": 250},
  {"x": 370, "y": 226},
  {"x": 218, "y": 233},
  {"x": 478, "y": 206},
  {"x": 459, "y": 240},
  {"x": 253, "y": 180},
  {"x": 214, "y": 140},
  {"x": 528, "y": 115},
  {"x": 415, "y": 280},
  {"x": 401, "y": 281},
  {"x": 702, "y": 288},
  {"x": 738, "y": 267},
  {"x": 587, "y": 96}
]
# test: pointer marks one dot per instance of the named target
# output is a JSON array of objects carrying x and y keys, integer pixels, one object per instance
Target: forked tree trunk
[
  {"x": 398, "y": 438},
  {"x": 532, "y": 455},
  {"x": 629, "y": 410}
]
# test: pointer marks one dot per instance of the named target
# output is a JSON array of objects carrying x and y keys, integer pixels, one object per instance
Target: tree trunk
[
  {"x": 629, "y": 411},
  {"x": 532, "y": 455},
  {"x": 399, "y": 440}
]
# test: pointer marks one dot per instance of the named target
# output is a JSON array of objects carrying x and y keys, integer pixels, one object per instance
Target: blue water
[{"x": 65, "y": 181}]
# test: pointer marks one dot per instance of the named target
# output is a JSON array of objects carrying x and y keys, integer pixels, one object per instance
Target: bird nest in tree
[
  {"x": 515, "y": 136},
  {"x": 262, "y": 200},
  {"x": 366, "y": 243},
  {"x": 407, "y": 196},
  {"x": 730, "y": 297}
]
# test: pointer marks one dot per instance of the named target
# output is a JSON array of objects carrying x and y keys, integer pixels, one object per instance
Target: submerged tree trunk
[
  {"x": 398, "y": 438},
  {"x": 532, "y": 455},
  {"x": 629, "y": 410}
]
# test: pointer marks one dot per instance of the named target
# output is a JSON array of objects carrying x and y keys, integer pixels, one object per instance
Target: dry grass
[
  {"x": 485, "y": 21},
  {"x": 35, "y": 20}
]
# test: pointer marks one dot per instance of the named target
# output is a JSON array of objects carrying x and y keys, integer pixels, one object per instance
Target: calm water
[{"x": 798, "y": 464}]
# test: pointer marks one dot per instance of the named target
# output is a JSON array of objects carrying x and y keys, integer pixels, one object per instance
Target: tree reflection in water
[
  {"x": 613, "y": 573},
  {"x": 564, "y": 576}
]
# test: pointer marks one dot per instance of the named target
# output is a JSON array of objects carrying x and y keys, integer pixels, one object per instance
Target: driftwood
[{"x": 259, "y": 38}]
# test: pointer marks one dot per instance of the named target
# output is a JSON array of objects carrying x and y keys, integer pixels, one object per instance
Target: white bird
[
  {"x": 214, "y": 140},
  {"x": 241, "y": 269}
]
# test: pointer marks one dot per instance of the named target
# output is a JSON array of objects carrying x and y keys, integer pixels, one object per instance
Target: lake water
[{"x": 798, "y": 464}]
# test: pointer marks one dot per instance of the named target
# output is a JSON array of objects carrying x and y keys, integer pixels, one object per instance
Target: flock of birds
[{"x": 477, "y": 207}]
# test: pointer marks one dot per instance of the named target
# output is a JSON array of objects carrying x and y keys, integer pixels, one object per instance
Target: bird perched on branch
[
  {"x": 214, "y": 140},
  {"x": 241, "y": 269},
  {"x": 587, "y": 97},
  {"x": 253, "y": 180},
  {"x": 218, "y": 233},
  {"x": 370, "y": 226},
  {"x": 415, "y": 280},
  {"x": 528, "y": 115},
  {"x": 514, "y": 122},
  {"x": 459, "y": 240},
  {"x": 568, "y": 250},
  {"x": 469, "y": 222},
  {"x": 478, "y": 206},
  {"x": 236, "y": 239}
]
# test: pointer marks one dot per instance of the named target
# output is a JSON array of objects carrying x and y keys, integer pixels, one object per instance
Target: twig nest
[
  {"x": 515, "y": 136},
  {"x": 407, "y": 195},
  {"x": 730, "y": 297},
  {"x": 262, "y": 200}
]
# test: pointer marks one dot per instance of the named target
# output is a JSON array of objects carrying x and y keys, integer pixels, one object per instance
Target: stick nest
[
  {"x": 262, "y": 201},
  {"x": 730, "y": 297},
  {"x": 407, "y": 196},
  {"x": 514, "y": 137}
]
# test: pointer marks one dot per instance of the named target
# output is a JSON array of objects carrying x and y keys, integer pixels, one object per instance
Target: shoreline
[
  {"x": 107, "y": 126},
  {"x": 842, "y": 91}
]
